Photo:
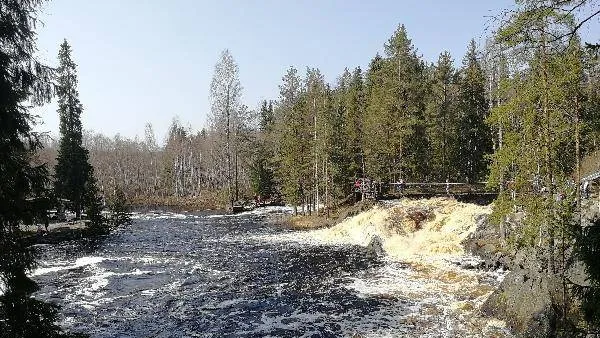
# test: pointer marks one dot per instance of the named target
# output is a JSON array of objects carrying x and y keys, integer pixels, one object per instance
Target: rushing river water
[{"x": 174, "y": 275}]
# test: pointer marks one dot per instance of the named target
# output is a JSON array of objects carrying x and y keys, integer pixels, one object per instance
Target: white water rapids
[{"x": 188, "y": 275}]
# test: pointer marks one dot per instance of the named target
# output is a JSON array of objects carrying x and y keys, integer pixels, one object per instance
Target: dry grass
[
  {"x": 323, "y": 220},
  {"x": 590, "y": 164},
  {"x": 308, "y": 222}
]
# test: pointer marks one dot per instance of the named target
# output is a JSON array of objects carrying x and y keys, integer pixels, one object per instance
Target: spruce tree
[
  {"x": 345, "y": 131},
  {"x": 261, "y": 170},
  {"x": 338, "y": 141},
  {"x": 376, "y": 127},
  {"x": 94, "y": 205},
  {"x": 441, "y": 118},
  {"x": 474, "y": 136},
  {"x": 353, "y": 123},
  {"x": 23, "y": 80},
  {"x": 294, "y": 146},
  {"x": 72, "y": 168},
  {"x": 396, "y": 145},
  {"x": 119, "y": 209}
]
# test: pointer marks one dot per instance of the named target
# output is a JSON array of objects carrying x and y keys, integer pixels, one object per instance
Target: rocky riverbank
[{"x": 529, "y": 298}]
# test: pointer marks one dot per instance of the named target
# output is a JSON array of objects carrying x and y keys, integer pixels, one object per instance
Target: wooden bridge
[{"x": 476, "y": 192}]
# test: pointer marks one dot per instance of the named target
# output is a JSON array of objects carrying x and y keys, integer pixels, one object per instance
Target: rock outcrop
[{"x": 529, "y": 298}]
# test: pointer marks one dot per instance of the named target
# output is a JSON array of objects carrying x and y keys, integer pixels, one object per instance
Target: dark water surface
[{"x": 173, "y": 275}]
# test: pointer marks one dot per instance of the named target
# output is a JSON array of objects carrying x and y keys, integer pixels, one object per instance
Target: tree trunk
[
  {"x": 316, "y": 199},
  {"x": 577, "y": 155}
]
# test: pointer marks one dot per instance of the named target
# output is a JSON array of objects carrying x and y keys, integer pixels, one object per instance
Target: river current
[{"x": 189, "y": 275}]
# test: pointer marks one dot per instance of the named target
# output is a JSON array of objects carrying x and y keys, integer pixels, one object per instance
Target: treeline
[
  {"x": 401, "y": 119},
  {"x": 205, "y": 169},
  {"x": 187, "y": 167}
]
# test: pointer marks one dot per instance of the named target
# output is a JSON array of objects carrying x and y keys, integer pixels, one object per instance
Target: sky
[{"x": 150, "y": 61}]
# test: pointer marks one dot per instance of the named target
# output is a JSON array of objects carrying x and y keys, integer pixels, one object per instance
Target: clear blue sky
[{"x": 149, "y": 61}]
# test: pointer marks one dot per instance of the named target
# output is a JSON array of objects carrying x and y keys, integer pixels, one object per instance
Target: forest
[
  {"x": 399, "y": 119},
  {"x": 521, "y": 112},
  {"x": 478, "y": 119}
]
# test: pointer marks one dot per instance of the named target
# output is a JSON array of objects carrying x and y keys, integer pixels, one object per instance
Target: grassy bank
[{"x": 324, "y": 219}]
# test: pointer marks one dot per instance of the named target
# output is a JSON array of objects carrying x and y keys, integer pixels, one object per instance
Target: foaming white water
[
  {"x": 91, "y": 291},
  {"x": 444, "y": 299},
  {"x": 435, "y": 239},
  {"x": 158, "y": 215},
  {"x": 272, "y": 209},
  {"x": 438, "y": 236},
  {"x": 257, "y": 211},
  {"x": 422, "y": 264},
  {"x": 83, "y": 261},
  {"x": 155, "y": 215}
]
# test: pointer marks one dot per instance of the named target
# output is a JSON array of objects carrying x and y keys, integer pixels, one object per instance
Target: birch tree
[{"x": 225, "y": 97}]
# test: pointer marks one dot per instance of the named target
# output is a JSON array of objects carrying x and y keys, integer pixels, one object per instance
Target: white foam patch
[
  {"x": 272, "y": 210},
  {"x": 153, "y": 215},
  {"x": 158, "y": 215},
  {"x": 80, "y": 262},
  {"x": 90, "y": 291},
  {"x": 257, "y": 211},
  {"x": 450, "y": 297}
]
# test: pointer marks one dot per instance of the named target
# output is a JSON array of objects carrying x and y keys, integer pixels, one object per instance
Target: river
[{"x": 192, "y": 275}]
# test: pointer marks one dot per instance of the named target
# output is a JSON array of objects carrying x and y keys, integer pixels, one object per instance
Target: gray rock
[{"x": 375, "y": 247}]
